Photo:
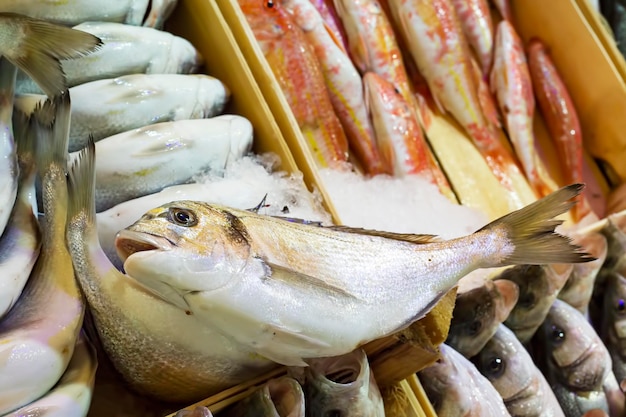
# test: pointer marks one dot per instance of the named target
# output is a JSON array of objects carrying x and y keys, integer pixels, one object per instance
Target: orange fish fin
[{"x": 337, "y": 41}]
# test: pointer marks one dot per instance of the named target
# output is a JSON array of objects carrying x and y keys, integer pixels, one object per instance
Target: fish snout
[{"x": 128, "y": 242}]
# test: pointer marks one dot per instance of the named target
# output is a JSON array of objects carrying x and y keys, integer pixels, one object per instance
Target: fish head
[
  {"x": 576, "y": 355},
  {"x": 478, "y": 313},
  {"x": 614, "y": 317},
  {"x": 287, "y": 396},
  {"x": 268, "y": 20},
  {"x": 184, "y": 57},
  {"x": 182, "y": 247},
  {"x": 510, "y": 369},
  {"x": 206, "y": 92},
  {"x": 342, "y": 386}
]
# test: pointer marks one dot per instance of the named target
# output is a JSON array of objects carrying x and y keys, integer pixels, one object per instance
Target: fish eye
[
  {"x": 495, "y": 366},
  {"x": 621, "y": 305},
  {"x": 333, "y": 413},
  {"x": 558, "y": 335},
  {"x": 182, "y": 217},
  {"x": 474, "y": 327},
  {"x": 269, "y": 4}
]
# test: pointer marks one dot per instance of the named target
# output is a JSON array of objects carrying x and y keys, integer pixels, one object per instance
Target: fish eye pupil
[
  {"x": 495, "y": 365},
  {"x": 183, "y": 217},
  {"x": 558, "y": 335},
  {"x": 269, "y": 3}
]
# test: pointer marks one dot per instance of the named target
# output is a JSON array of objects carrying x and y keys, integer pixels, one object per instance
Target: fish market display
[
  {"x": 505, "y": 362},
  {"x": 477, "y": 314},
  {"x": 39, "y": 333},
  {"x": 247, "y": 264},
  {"x": 73, "y": 12},
  {"x": 159, "y": 349},
  {"x": 144, "y": 160},
  {"x": 21, "y": 240},
  {"x": 578, "y": 364},
  {"x": 134, "y": 101},
  {"x": 277, "y": 397},
  {"x": 298, "y": 72},
  {"x": 125, "y": 50},
  {"x": 539, "y": 285},
  {"x": 457, "y": 389},
  {"x": 71, "y": 396},
  {"x": 343, "y": 385}
]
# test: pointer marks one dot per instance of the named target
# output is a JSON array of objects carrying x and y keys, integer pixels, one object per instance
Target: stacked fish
[
  {"x": 354, "y": 83},
  {"x": 539, "y": 340}
]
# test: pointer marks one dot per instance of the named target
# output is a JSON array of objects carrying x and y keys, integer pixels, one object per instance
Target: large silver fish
[
  {"x": 457, "y": 389},
  {"x": 343, "y": 385},
  {"x": 159, "y": 349},
  {"x": 539, "y": 286},
  {"x": 525, "y": 391},
  {"x": 577, "y": 364},
  {"x": 137, "y": 100},
  {"x": 280, "y": 397},
  {"x": 125, "y": 50},
  {"x": 477, "y": 314},
  {"x": 38, "y": 335},
  {"x": 282, "y": 289}
]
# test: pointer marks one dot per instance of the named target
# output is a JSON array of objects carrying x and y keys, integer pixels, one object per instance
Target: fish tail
[
  {"x": 82, "y": 183},
  {"x": 43, "y": 45},
  {"x": 530, "y": 232},
  {"x": 52, "y": 126}
]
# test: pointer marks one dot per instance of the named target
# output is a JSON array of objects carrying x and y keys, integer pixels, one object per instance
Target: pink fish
[{"x": 477, "y": 25}]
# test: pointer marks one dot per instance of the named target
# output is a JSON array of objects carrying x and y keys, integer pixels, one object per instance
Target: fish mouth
[
  {"x": 523, "y": 395},
  {"x": 128, "y": 242}
]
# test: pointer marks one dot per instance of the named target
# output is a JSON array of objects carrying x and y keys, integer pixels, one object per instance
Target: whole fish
[
  {"x": 133, "y": 101},
  {"x": 560, "y": 115},
  {"x": 158, "y": 349},
  {"x": 511, "y": 83},
  {"x": 613, "y": 325},
  {"x": 373, "y": 45},
  {"x": 38, "y": 335},
  {"x": 457, "y": 389},
  {"x": 73, "y": 12},
  {"x": 20, "y": 242},
  {"x": 245, "y": 265},
  {"x": 280, "y": 397},
  {"x": 344, "y": 84},
  {"x": 125, "y": 50},
  {"x": 196, "y": 412},
  {"x": 539, "y": 285},
  {"x": 145, "y": 160},
  {"x": 438, "y": 47},
  {"x": 576, "y": 361},
  {"x": 326, "y": 9},
  {"x": 477, "y": 314},
  {"x": 299, "y": 75},
  {"x": 579, "y": 286},
  {"x": 71, "y": 397},
  {"x": 344, "y": 385},
  {"x": 475, "y": 18},
  {"x": 508, "y": 366}
]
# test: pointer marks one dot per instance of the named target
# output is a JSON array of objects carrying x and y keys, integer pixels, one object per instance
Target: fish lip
[
  {"x": 523, "y": 394},
  {"x": 128, "y": 242}
]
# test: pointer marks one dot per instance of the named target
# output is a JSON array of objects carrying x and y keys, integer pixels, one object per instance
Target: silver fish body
[
  {"x": 243, "y": 265},
  {"x": 457, "y": 389},
  {"x": 577, "y": 362},
  {"x": 539, "y": 286},
  {"x": 280, "y": 397},
  {"x": 477, "y": 314},
  {"x": 125, "y": 50},
  {"x": 137, "y": 100},
  {"x": 343, "y": 385},
  {"x": 509, "y": 367},
  {"x": 145, "y": 160}
]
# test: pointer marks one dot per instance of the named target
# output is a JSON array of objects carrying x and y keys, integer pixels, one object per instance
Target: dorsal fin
[{"x": 406, "y": 237}]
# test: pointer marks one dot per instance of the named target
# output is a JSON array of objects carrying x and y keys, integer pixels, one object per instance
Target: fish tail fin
[
  {"x": 82, "y": 183},
  {"x": 43, "y": 45},
  {"x": 531, "y": 235},
  {"x": 51, "y": 127}
]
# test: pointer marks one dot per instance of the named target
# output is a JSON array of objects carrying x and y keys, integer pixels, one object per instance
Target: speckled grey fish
[
  {"x": 342, "y": 385},
  {"x": 280, "y": 397},
  {"x": 505, "y": 362},
  {"x": 613, "y": 326},
  {"x": 456, "y": 388},
  {"x": 477, "y": 314},
  {"x": 539, "y": 286},
  {"x": 21, "y": 240},
  {"x": 243, "y": 265},
  {"x": 137, "y": 100},
  {"x": 145, "y": 160},
  {"x": 579, "y": 286},
  {"x": 159, "y": 349},
  {"x": 125, "y": 50},
  {"x": 577, "y": 364}
]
